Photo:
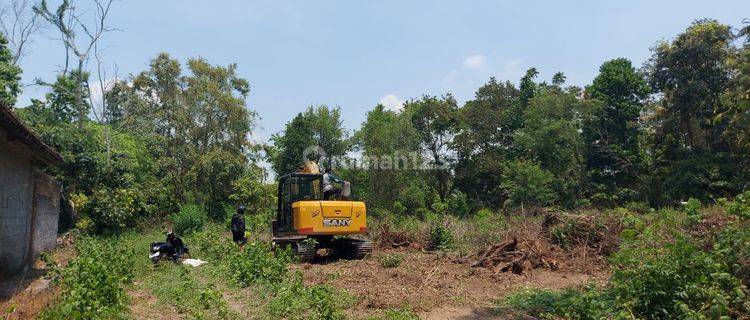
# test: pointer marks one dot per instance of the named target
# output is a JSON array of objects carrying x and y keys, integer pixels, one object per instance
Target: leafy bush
[
  {"x": 684, "y": 281},
  {"x": 412, "y": 198},
  {"x": 573, "y": 303},
  {"x": 458, "y": 204},
  {"x": 113, "y": 210},
  {"x": 93, "y": 284},
  {"x": 256, "y": 263},
  {"x": 660, "y": 273},
  {"x": 441, "y": 237},
  {"x": 741, "y": 206},
  {"x": 189, "y": 219},
  {"x": 526, "y": 183},
  {"x": 390, "y": 260},
  {"x": 578, "y": 232},
  {"x": 692, "y": 207},
  {"x": 294, "y": 300},
  {"x": 486, "y": 227},
  {"x": 175, "y": 285},
  {"x": 250, "y": 191}
]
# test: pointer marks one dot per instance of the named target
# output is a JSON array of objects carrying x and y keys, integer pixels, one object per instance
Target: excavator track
[
  {"x": 303, "y": 250},
  {"x": 349, "y": 248}
]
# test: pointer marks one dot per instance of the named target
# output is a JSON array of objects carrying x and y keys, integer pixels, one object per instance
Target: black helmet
[{"x": 241, "y": 209}]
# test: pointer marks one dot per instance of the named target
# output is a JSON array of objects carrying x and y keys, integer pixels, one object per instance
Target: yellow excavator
[{"x": 303, "y": 213}]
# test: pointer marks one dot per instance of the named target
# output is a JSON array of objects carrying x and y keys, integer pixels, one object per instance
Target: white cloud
[
  {"x": 512, "y": 70},
  {"x": 475, "y": 62},
  {"x": 392, "y": 102}
]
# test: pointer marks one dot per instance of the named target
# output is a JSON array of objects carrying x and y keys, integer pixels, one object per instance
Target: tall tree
[
  {"x": 485, "y": 141},
  {"x": 551, "y": 137},
  {"x": 317, "y": 129},
  {"x": 691, "y": 73},
  {"x": 19, "y": 23},
  {"x": 389, "y": 142},
  {"x": 10, "y": 75},
  {"x": 611, "y": 131},
  {"x": 436, "y": 121}
]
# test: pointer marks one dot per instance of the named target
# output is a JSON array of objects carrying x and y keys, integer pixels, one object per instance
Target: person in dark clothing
[
  {"x": 176, "y": 242},
  {"x": 238, "y": 226}
]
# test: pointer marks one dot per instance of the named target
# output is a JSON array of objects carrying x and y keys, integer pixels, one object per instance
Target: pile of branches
[
  {"x": 599, "y": 234},
  {"x": 509, "y": 256},
  {"x": 386, "y": 236}
]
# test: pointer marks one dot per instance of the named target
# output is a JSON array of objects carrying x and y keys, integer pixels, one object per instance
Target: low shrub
[
  {"x": 189, "y": 219},
  {"x": 487, "y": 227},
  {"x": 741, "y": 206},
  {"x": 294, "y": 300},
  {"x": 583, "y": 303},
  {"x": 112, "y": 211},
  {"x": 93, "y": 284},
  {"x": 659, "y": 273},
  {"x": 574, "y": 231},
  {"x": 441, "y": 237},
  {"x": 175, "y": 285},
  {"x": 256, "y": 263},
  {"x": 458, "y": 204},
  {"x": 391, "y": 260}
]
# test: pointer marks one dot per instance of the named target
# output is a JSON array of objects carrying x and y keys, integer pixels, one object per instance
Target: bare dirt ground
[
  {"x": 26, "y": 295},
  {"x": 433, "y": 285}
]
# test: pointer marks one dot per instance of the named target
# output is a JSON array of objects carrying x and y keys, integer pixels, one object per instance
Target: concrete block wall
[
  {"x": 29, "y": 208},
  {"x": 46, "y": 213},
  {"x": 15, "y": 208}
]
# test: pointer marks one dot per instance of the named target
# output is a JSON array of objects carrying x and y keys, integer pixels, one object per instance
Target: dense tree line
[{"x": 675, "y": 128}]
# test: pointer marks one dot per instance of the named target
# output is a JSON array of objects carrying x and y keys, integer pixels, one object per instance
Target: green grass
[{"x": 95, "y": 283}]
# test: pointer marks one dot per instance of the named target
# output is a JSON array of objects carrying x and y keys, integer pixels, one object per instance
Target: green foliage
[
  {"x": 441, "y": 237},
  {"x": 319, "y": 126},
  {"x": 389, "y": 143},
  {"x": 526, "y": 183},
  {"x": 692, "y": 207},
  {"x": 487, "y": 227},
  {"x": 691, "y": 140},
  {"x": 113, "y": 210},
  {"x": 189, "y": 219},
  {"x": 660, "y": 273},
  {"x": 458, "y": 204},
  {"x": 390, "y": 260},
  {"x": 610, "y": 130},
  {"x": 576, "y": 232},
  {"x": 435, "y": 121},
  {"x": 10, "y": 75},
  {"x": 256, "y": 263},
  {"x": 413, "y": 198},
  {"x": 741, "y": 206},
  {"x": 251, "y": 192},
  {"x": 294, "y": 300},
  {"x": 582, "y": 303},
  {"x": 93, "y": 284},
  {"x": 176, "y": 286}
]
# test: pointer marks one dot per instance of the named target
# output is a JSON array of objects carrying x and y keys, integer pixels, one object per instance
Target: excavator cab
[{"x": 302, "y": 213}]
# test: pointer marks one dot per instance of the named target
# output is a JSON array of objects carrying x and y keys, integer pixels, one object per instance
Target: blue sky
[{"x": 354, "y": 54}]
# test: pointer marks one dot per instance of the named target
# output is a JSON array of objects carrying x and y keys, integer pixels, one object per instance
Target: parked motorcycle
[{"x": 173, "y": 249}]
